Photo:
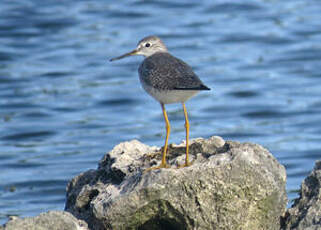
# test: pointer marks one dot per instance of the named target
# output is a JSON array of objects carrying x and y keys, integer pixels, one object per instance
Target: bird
[{"x": 168, "y": 80}]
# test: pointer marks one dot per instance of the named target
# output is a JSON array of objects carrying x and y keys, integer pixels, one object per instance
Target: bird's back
[{"x": 162, "y": 71}]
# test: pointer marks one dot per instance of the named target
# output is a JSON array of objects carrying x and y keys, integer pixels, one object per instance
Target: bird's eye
[{"x": 147, "y": 45}]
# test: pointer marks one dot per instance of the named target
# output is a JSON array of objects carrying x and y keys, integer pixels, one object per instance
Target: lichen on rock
[{"x": 230, "y": 185}]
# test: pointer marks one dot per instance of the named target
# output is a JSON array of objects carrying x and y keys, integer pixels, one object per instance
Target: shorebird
[{"x": 168, "y": 80}]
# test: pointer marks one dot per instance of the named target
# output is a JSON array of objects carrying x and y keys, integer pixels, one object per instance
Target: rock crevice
[{"x": 305, "y": 213}]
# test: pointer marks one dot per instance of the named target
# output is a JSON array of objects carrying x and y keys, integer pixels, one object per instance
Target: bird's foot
[
  {"x": 153, "y": 154},
  {"x": 162, "y": 165},
  {"x": 185, "y": 165}
]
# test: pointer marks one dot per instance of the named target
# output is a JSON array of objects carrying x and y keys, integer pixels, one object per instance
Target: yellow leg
[
  {"x": 168, "y": 130},
  {"x": 187, "y": 163}
]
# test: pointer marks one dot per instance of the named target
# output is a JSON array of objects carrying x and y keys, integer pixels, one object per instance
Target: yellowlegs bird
[{"x": 168, "y": 80}]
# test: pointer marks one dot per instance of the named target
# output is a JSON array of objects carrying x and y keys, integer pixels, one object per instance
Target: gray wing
[{"x": 166, "y": 72}]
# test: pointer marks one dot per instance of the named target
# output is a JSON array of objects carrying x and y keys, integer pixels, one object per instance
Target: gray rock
[
  {"x": 305, "y": 213},
  {"x": 230, "y": 185},
  {"x": 53, "y": 220}
]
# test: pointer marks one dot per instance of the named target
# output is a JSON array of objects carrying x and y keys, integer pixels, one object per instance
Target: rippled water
[{"x": 62, "y": 105}]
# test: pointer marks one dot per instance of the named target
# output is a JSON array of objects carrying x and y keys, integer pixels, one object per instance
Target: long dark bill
[{"x": 124, "y": 55}]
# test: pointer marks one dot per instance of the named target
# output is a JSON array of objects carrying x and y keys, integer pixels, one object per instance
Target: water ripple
[{"x": 36, "y": 135}]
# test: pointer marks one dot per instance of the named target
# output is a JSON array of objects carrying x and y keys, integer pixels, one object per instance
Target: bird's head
[{"x": 146, "y": 47}]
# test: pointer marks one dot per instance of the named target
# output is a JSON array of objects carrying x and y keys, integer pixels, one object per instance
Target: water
[{"x": 62, "y": 105}]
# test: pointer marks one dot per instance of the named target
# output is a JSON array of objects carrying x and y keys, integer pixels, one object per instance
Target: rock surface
[
  {"x": 306, "y": 210},
  {"x": 53, "y": 220},
  {"x": 230, "y": 185}
]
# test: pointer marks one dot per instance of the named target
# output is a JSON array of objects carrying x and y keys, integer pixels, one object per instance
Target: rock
[
  {"x": 52, "y": 220},
  {"x": 305, "y": 213},
  {"x": 230, "y": 185}
]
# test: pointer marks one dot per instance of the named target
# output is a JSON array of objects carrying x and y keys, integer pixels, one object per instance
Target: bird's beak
[{"x": 134, "y": 52}]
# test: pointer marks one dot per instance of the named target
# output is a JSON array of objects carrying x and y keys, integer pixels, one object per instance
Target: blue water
[{"x": 63, "y": 105}]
